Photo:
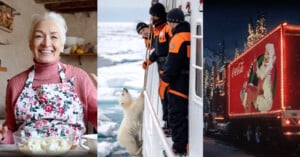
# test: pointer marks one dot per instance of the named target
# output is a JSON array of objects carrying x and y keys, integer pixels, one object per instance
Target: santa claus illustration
[{"x": 257, "y": 92}]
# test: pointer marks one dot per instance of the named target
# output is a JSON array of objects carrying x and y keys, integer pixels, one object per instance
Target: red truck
[{"x": 262, "y": 98}]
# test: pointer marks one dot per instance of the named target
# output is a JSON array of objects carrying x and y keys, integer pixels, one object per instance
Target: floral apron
[{"x": 49, "y": 110}]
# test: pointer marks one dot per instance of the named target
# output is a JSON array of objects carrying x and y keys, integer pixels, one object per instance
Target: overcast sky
[{"x": 123, "y": 10}]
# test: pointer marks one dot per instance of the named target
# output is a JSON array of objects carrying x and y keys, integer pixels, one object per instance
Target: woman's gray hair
[{"x": 57, "y": 18}]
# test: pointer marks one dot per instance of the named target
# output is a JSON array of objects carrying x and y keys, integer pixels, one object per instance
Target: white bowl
[
  {"x": 80, "y": 41},
  {"x": 72, "y": 40},
  {"x": 89, "y": 142},
  {"x": 67, "y": 50},
  {"x": 44, "y": 146}
]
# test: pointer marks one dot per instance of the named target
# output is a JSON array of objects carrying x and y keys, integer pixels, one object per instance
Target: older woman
[{"x": 49, "y": 98}]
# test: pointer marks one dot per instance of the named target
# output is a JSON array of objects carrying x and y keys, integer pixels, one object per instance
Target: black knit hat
[
  {"x": 175, "y": 15},
  {"x": 158, "y": 10},
  {"x": 140, "y": 26}
]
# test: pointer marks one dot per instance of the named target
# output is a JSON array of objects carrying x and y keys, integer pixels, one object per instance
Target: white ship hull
[{"x": 155, "y": 144}]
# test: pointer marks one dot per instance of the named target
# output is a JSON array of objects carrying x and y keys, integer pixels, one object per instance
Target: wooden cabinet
[{"x": 69, "y": 6}]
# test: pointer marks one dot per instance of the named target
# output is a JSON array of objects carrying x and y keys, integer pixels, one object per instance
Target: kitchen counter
[{"x": 10, "y": 150}]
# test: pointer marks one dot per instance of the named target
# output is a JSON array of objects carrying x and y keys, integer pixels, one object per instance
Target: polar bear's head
[{"x": 125, "y": 98}]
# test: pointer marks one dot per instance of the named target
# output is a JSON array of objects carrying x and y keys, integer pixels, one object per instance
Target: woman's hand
[{"x": 3, "y": 132}]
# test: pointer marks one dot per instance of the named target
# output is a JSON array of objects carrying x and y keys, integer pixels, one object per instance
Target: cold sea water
[{"x": 120, "y": 55}]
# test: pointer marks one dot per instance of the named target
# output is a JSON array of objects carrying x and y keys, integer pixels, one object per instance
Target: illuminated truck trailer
[{"x": 263, "y": 88}]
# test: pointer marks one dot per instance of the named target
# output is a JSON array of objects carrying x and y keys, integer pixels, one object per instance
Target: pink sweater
[{"x": 45, "y": 74}]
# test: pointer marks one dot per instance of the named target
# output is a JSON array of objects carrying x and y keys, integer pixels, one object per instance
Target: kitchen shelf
[{"x": 79, "y": 55}]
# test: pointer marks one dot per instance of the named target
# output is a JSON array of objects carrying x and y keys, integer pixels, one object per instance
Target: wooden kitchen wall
[
  {"x": 15, "y": 54},
  {"x": 84, "y": 25}
]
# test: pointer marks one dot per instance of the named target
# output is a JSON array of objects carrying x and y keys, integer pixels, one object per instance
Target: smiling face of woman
[{"x": 46, "y": 42}]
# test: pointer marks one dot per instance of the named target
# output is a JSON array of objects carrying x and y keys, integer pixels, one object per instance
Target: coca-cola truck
[{"x": 263, "y": 89}]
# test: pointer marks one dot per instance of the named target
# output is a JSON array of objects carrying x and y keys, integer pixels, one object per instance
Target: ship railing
[{"x": 155, "y": 142}]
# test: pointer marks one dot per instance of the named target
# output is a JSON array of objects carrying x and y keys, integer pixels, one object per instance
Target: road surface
[{"x": 216, "y": 147}]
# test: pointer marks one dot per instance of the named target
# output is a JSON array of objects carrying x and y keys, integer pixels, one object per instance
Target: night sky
[{"x": 228, "y": 20}]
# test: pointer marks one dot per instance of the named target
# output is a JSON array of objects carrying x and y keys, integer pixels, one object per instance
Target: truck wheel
[
  {"x": 258, "y": 135},
  {"x": 248, "y": 134},
  {"x": 206, "y": 131}
]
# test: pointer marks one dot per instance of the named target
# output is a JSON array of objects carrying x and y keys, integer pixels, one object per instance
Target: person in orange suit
[
  {"x": 162, "y": 35},
  {"x": 175, "y": 80},
  {"x": 145, "y": 32}
]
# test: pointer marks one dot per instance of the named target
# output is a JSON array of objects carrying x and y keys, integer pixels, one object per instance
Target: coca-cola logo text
[{"x": 238, "y": 69}]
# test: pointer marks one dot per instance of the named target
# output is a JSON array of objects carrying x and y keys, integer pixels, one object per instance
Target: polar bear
[{"x": 130, "y": 131}]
